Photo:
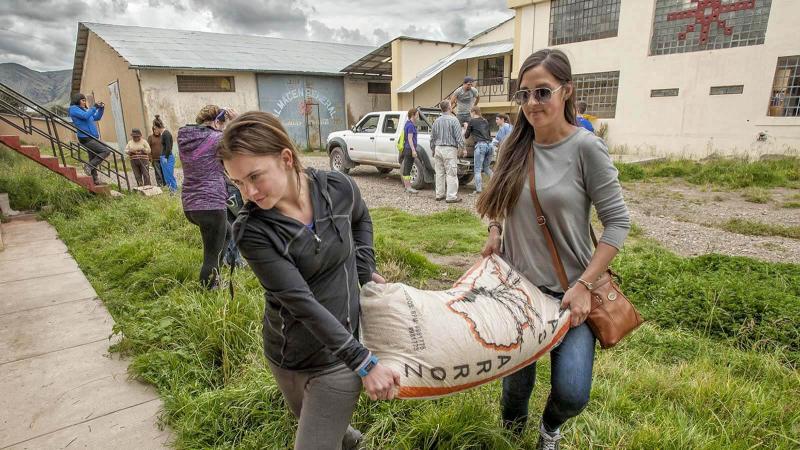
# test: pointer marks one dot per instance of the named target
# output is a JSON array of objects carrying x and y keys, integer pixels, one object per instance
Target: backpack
[{"x": 401, "y": 141}]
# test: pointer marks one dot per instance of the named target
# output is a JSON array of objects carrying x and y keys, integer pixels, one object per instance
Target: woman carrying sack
[
  {"x": 573, "y": 171},
  {"x": 307, "y": 235}
]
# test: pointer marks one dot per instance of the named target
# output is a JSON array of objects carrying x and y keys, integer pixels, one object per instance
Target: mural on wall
[
  {"x": 681, "y": 26},
  {"x": 309, "y": 107}
]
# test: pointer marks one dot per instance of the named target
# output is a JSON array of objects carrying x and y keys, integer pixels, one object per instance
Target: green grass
[
  {"x": 31, "y": 186},
  {"x": 751, "y": 228},
  {"x": 756, "y": 195},
  {"x": 708, "y": 370},
  {"x": 725, "y": 173}
]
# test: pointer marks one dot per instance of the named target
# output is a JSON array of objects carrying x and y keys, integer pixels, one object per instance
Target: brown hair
[
  {"x": 582, "y": 105},
  {"x": 444, "y": 106},
  {"x": 475, "y": 110},
  {"x": 257, "y": 133},
  {"x": 505, "y": 117},
  {"x": 157, "y": 123},
  {"x": 207, "y": 114},
  {"x": 411, "y": 112},
  {"x": 506, "y": 184}
]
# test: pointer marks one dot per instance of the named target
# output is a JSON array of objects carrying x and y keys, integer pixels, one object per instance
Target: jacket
[
  {"x": 312, "y": 277},
  {"x": 84, "y": 120},
  {"x": 203, "y": 175}
]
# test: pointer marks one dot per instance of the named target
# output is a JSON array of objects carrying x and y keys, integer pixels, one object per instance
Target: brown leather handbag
[{"x": 612, "y": 316}]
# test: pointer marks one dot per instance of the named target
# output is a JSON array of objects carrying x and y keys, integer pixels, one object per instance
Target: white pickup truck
[{"x": 373, "y": 142}]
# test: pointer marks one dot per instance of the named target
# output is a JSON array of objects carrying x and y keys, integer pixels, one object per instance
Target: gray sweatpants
[{"x": 323, "y": 403}]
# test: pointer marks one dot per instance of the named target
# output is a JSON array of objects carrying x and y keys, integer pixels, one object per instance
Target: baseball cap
[{"x": 469, "y": 80}]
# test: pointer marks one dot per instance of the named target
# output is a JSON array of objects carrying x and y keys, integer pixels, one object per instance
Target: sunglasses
[{"x": 542, "y": 95}]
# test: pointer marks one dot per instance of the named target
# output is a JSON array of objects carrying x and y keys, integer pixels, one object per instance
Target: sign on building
[{"x": 309, "y": 107}]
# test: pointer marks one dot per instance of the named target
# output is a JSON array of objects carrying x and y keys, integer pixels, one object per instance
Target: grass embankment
[
  {"x": 720, "y": 173},
  {"x": 696, "y": 376}
]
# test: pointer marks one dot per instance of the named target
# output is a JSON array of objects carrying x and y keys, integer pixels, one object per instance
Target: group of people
[
  {"x": 155, "y": 150},
  {"x": 448, "y": 141},
  {"x": 308, "y": 237}
]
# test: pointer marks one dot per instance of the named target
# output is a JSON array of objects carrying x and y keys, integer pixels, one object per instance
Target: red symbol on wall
[
  {"x": 706, "y": 13},
  {"x": 305, "y": 107}
]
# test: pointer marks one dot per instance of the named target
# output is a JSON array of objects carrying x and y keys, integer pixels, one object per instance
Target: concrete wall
[
  {"x": 103, "y": 65},
  {"x": 694, "y": 123},
  {"x": 501, "y": 33},
  {"x": 409, "y": 57},
  {"x": 161, "y": 96},
  {"x": 358, "y": 100}
]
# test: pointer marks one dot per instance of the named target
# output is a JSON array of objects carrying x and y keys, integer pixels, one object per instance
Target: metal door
[
  {"x": 309, "y": 107},
  {"x": 119, "y": 119}
]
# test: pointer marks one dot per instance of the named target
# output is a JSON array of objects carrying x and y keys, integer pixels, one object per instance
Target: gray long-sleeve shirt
[
  {"x": 571, "y": 176},
  {"x": 446, "y": 131}
]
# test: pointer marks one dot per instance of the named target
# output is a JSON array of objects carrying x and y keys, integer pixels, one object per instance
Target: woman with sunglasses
[
  {"x": 204, "y": 195},
  {"x": 573, "y": 171}
]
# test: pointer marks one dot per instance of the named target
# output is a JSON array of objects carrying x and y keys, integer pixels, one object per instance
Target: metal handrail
[
  {"x": 15, "y": 104},
  {"x": 492, "y": 89}
]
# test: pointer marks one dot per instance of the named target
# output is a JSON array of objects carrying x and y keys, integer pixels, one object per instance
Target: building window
[
  {"x": 785, "y": 98},
  {"x": 681, "y": 26},
  {"x": 664, "y": 92},
  {"x": 599, "y": 91},
  {"x": 379, "y": 88},
  {"x": 726, "y": 90},
  {"x": 491, "y": 70},
  {"x": 583, "y": 20},
  {"x": 197, "y": 83}
]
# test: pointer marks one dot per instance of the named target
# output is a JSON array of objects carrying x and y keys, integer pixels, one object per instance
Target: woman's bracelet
[{"x": 495, "y": 224}]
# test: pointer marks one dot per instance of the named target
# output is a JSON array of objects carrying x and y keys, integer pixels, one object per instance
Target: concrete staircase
[{"x": 52, "y": 163}]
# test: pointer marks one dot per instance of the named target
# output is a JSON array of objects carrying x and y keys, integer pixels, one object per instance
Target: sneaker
[
  {"x": 87, "y": 169},
  {"x": 548, "y": 440},
  {"x": 438, "y": 199},
  {"x": 474, "y": 193},
  {"x": 454, "y": 200},
  {"x": 411, "y": 191}
]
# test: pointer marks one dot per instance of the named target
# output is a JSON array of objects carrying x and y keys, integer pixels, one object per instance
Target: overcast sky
[{"x": 41, "y": 34}]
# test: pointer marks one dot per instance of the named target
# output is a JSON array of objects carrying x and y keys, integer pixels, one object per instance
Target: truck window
[
  {"x": 368, "y": 124},
  {"x": 390, "y": 123}
]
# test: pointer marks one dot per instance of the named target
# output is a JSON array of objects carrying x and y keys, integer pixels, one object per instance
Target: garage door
[{"x": 310, "y": 107}]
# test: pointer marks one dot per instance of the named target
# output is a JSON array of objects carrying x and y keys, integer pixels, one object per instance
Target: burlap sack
[{"x": 491, "y": 323}]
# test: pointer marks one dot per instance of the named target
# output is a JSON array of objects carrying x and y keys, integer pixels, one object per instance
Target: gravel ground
[{"x": 679, "y": 216}]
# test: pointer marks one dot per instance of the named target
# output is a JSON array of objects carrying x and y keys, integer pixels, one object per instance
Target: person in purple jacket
[{"x": 204, "y": 194}]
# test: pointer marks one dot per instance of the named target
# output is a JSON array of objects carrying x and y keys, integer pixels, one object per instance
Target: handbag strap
[{"x": 542, "y": 221}]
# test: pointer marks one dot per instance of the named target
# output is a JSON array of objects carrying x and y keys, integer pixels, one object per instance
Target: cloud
[
  {"x": 46, "y": 11},
  {"x": 455, "y": 29},
  {"x": 381, "y": 36},
  {"x": 318, "y": 31},
  {"x": 271, "y": 17}
]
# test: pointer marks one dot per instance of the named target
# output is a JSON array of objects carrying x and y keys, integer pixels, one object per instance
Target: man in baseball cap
[{"x": 464, "y": 98}]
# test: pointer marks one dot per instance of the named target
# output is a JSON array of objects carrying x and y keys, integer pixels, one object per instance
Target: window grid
[
  {"x": 726, "y": 90},
  {"x": 672, "y": 92},
  {"x": 599, "y": 91},
  {"x": 200, "y": 83},
  {"x": 583, "y": 20},
  {"x": 785, "y": 96},
  {"x": 379, "y": 88},
  {"x": 748, "y": 26},
  {"x": 490, "y": 70}
]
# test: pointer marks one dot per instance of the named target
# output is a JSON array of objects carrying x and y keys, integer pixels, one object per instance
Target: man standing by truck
[{"x": 446, "y": 141}]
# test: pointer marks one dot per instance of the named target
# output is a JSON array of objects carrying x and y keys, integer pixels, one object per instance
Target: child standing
[{"x": 138, "y": 151}]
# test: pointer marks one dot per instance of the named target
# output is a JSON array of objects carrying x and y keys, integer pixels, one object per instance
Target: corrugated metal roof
[
  {"x": 469, "y": 52},
  {"x": 146, "y": 47}
]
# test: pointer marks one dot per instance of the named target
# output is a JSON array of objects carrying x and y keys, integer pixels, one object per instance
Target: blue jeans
[
  {"x": 483, "y": 157},
  {"x": 570, "y": 382},
  {"x": 168, "y": 171}
]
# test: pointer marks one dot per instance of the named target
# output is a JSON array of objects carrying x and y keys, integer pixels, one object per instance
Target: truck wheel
[
  {"x": 338, "y": 161},
  {"x": 418, "y": 175},
  {"x": 464, "y": 180}
]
